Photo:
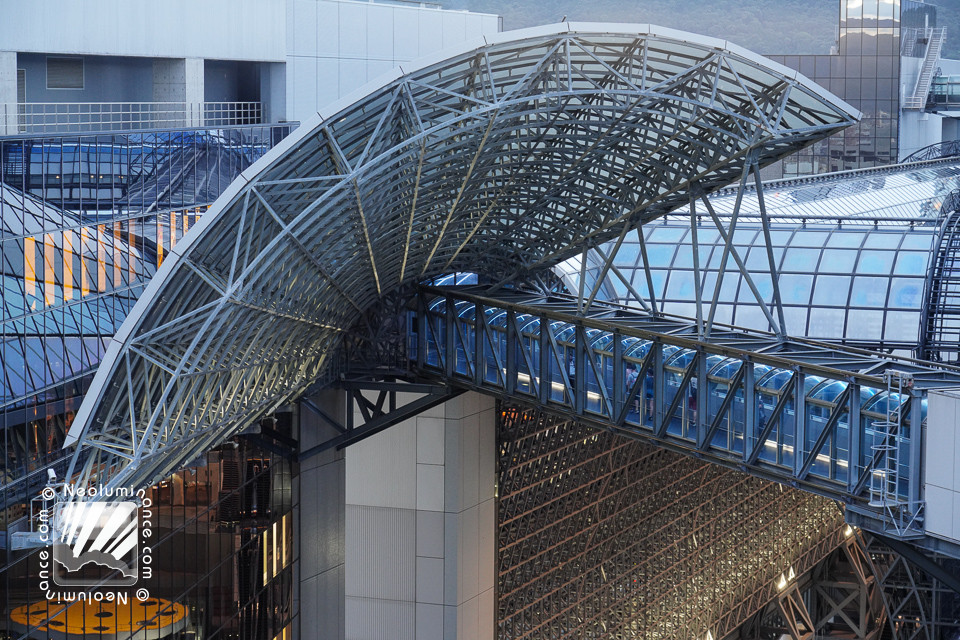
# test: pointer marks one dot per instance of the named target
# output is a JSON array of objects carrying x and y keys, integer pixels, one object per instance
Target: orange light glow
[
  {"x": 68, "y": 265},
  {"x": 159, "y": 243},
  {"x": 117, "y": 258},
  {"x": 101, "y": 259},
  {"x": 84, "y": 280},
  {"x": 30, "y": 265},
  {"x": 49, "y": 274}
]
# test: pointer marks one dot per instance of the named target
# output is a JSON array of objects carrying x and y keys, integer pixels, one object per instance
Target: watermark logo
[
  {"x": 97, "y": 539},
  {"x": 100, "y": 533}
]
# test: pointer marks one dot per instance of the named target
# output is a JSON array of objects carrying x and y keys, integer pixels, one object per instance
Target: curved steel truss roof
[{"x": 505, "y": 157}]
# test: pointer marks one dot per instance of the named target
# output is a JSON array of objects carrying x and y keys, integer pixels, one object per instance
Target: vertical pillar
[
  {"x": 470, "y": 521},
  {"x": 421, "y": 526},
  {"x": 193, "y": 91},
  {"x": 273, "y": 91},
  {"x": 8, "y": 93},
  {"x": 319, "y": 526},
  {"x": 178, "y": 80}
]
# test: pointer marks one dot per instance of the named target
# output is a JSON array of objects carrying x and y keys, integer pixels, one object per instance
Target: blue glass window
[
  {"x": 838, "y": 260},
  {"x": 911, "y": 263},
  {"x": 906, "y": 293},
  {"x": 868, "y": 292},
  {"x": 875, "y": 261},
  {"x": 795, "y": 289},
  {"x": 803, "y": 260},
  {"x": 831, "y": 291}
]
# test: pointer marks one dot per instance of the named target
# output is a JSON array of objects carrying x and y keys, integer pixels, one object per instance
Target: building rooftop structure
[
  {"x": 855, "y": 253},
  {"x": 254, "y": 355}
]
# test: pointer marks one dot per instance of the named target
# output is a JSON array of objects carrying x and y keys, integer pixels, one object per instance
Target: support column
[
  {"x": 273, "y": 91},
  {"x": 179, "y": 80},
  {"x": 319, "y": 525},
  {"x": 8, "y": 93},
  {"x": 421, "y": 526}
]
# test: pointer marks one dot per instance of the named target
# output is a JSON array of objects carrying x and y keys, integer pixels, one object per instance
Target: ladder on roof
[{"x": 905, "y": 517}]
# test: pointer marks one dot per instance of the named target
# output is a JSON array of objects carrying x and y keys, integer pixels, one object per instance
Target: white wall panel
[
  {"x": 430, "y": 487},
  {"x": 430, "y": 440},
  {"x": 406, "y": 34},
  {"x": 353, "y": 30},
  {"x": 328, "y": 79},
  {"x": 328, "y": 29},
  {"x": 440, "y": 556},
  {"x": 381, "y": 552},
  {"x": 303, "y": 86},
  {"x": 430, "y": 622},
  {"x": 430, "y": 580},
  {"x": 454, "y": 29},
  {"x": 218, "y": 29},
  {"x": 380, "y": 32},
  {"x": 376, "y": 68},
  {"x": 431, "y": 32},
  {"x": 430, "y": 534},
  {"x": 941, "y": 451},
  {"x": 353, "y": 74},
  {"x": 304, "y": 41},
  {"x": 379, "y": 619},
  {"x": 391, "y": 454}
]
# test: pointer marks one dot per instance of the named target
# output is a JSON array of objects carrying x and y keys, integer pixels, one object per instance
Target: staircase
[
  {"x": 908, "y": 40},
  {"x": 935, "y": 38}
]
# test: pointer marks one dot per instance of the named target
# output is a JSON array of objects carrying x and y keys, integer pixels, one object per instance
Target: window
[{"x": 64, "y": 73}]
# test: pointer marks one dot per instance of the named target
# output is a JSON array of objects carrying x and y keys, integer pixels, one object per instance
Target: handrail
[{"x": 66, "y": 117}]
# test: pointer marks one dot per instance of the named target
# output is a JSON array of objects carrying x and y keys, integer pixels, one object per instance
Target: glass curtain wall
[
  {"x": 86, "y": 221},
  {"x": 864, "y": 70}
]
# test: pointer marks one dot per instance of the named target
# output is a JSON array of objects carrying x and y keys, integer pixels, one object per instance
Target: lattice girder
[{"x": 506, "y": 158}]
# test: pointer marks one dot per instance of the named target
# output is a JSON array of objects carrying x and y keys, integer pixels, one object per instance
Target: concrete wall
[
  {"x": 329, "y": 47},
  {"x": 941, "y": 471},
  {"x": 336, "y": 46},
  {"x": 421, "y": 526},
  {"x": 105, "y": 79},
  {"x": 220, "y": 29},
  {"x": 918, "y": 129}
]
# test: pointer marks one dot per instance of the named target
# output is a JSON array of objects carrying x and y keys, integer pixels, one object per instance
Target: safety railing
[
  {"x": 84, "y": 117},
  {"x": 797, "y": 412}
]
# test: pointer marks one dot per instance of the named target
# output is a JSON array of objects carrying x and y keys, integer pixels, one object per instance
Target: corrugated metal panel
[
  {"x": 369, "y": 619},
  {"x": 64, "y": 73},
  {"x": 381, "y": 552}
]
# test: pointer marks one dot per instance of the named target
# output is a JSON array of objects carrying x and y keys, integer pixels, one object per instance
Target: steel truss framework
[
  {"x": 505, "y": 158},
  {"x": 799, "y": 412},
  {"x": 602, "y": 536},
  {"x": 919, "y": 605},
  {"x": 940, "y": 332},
  {"x": 839, "y": 598}
]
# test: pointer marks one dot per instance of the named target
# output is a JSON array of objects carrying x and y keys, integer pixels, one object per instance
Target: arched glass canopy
[{"x": 503, "y": 158}]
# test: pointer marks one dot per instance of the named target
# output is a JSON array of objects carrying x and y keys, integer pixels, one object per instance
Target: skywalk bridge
[{"x": 837, "y": 421}]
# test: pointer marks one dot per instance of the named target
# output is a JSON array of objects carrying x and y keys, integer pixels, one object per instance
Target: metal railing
[
  {"x": 84, "y": 117},
  {"x": 935, "y": 38},
  {"x": 798, "y": 412}
]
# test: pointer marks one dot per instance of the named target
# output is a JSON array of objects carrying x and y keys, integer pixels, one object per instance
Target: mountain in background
[{"x": 764, "y": 26}]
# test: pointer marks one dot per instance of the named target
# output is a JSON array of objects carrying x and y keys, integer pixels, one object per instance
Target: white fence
[{"x": 81, "y": 117}]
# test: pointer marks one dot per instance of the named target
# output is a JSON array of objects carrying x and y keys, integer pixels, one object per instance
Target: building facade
[
  {"x": 884, "y": 63},
  {"x": 142, "y": 65}
]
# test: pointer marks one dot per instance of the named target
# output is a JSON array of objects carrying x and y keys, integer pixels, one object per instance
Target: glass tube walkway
[{"x": 837, "y": 421}]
